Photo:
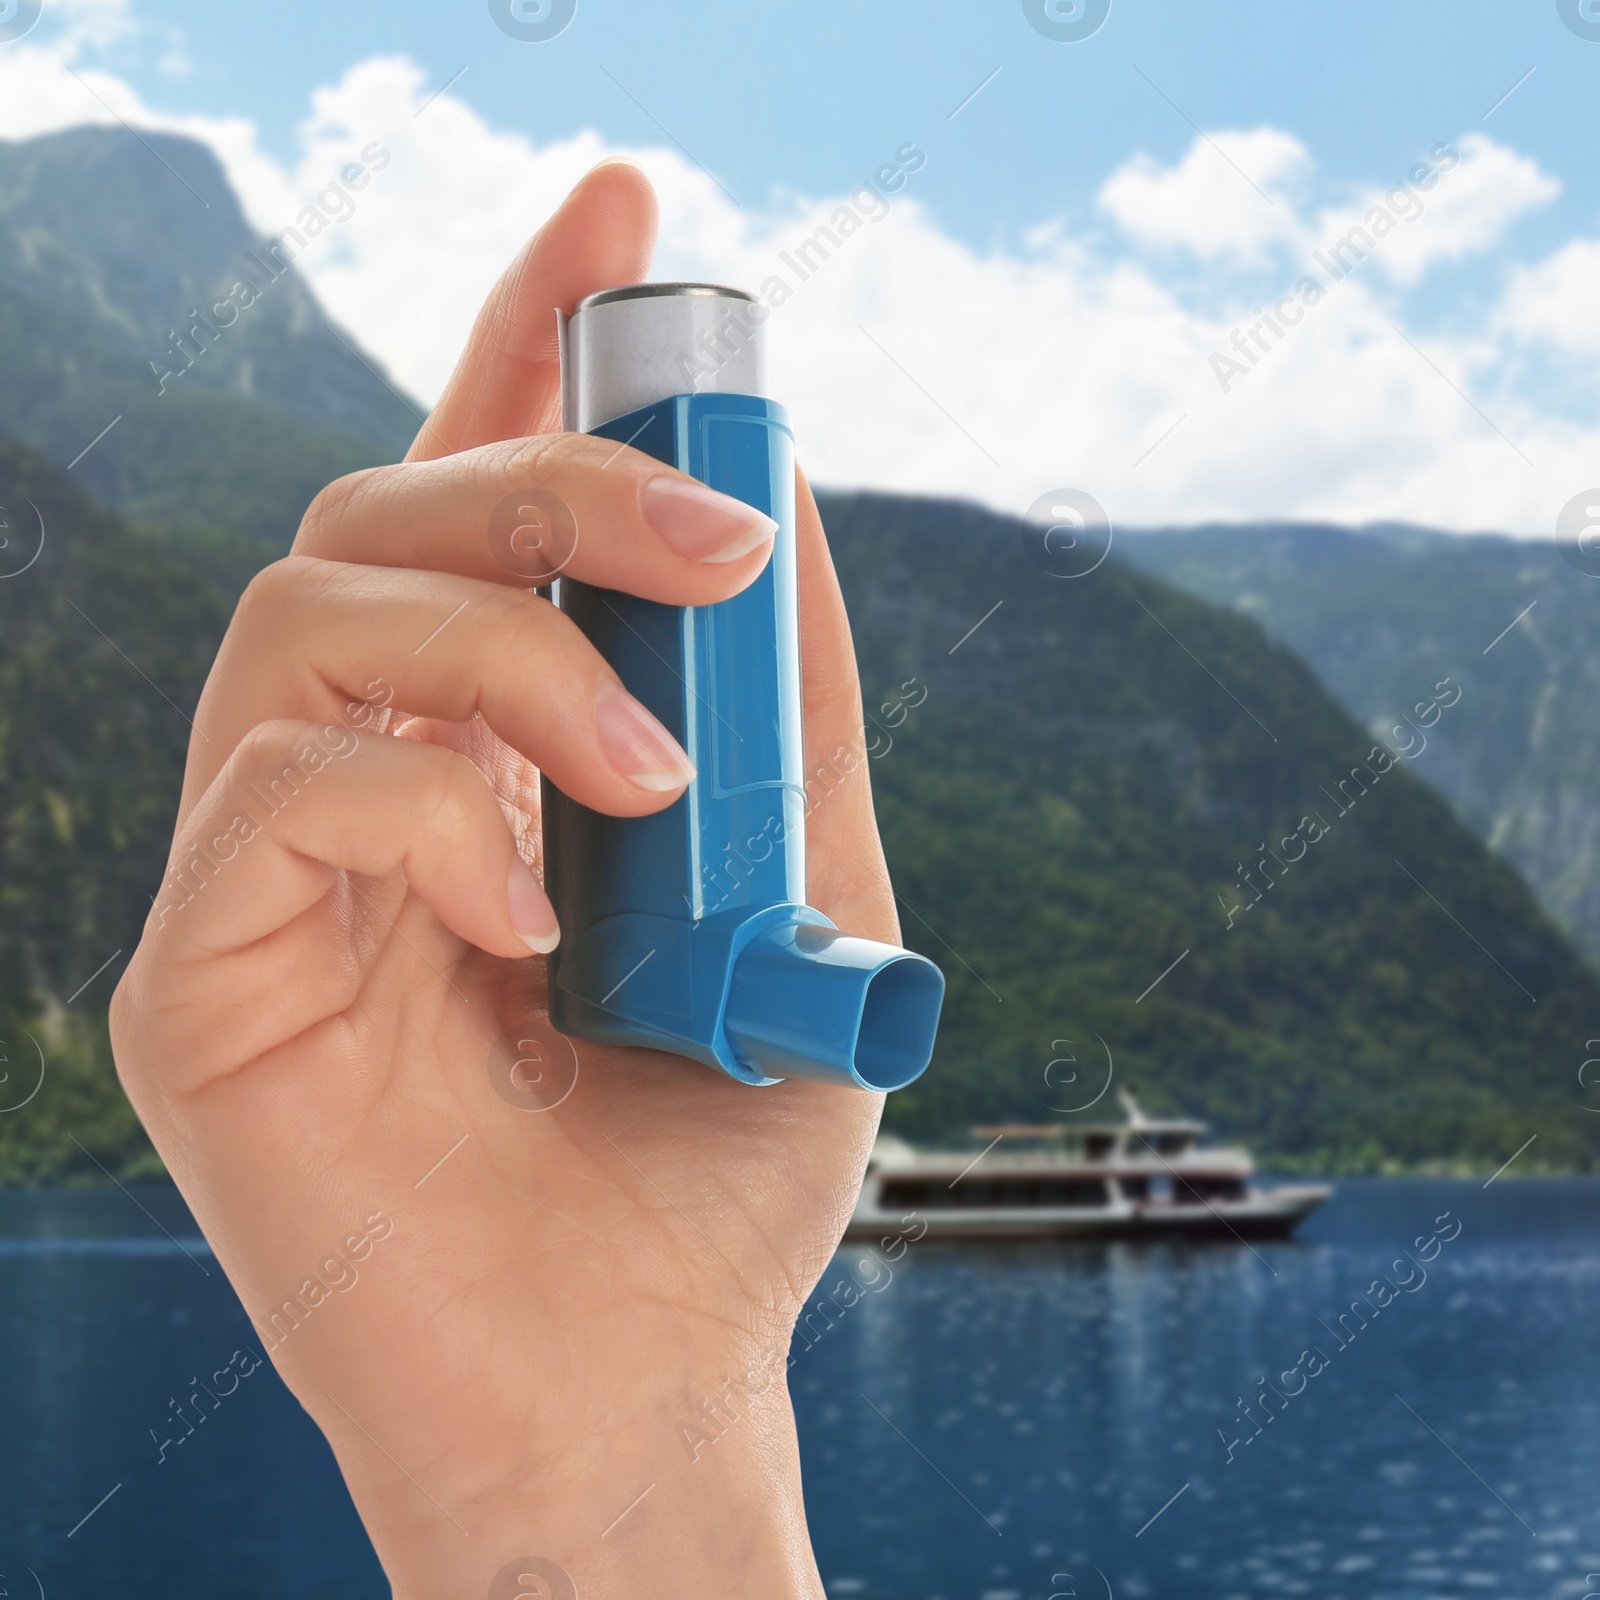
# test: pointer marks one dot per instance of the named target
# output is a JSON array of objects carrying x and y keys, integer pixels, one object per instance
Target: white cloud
[
  {"x": 1232, "y": 197},
  {"x": 1472, "y": 196},
  {"x": 914, "y": 361},
  {"x": 1228, "y": 197},
  {"x": 1555, "y": 302},
  {"x": 97, "y": 23}
]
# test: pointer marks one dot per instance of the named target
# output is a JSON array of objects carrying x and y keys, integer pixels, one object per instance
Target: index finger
[{"x": 507, "y": 383}]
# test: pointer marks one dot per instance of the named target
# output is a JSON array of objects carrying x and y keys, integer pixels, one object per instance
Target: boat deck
[{"x": 1146, "y": 1177}]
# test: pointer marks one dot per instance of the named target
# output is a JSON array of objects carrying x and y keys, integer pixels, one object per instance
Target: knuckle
[
  {"x": 259, "y": 595},
  {"x": 269, "y": 590},
  {"x": 279, "y": 599},
  {"x": 514, "y": 619},
  {"x": 332, "y": 505},
  {"x": 554, "y": 460},
  {"x": 456, "y": 787},
  {"x": 532, "y": 484},
  {"x": 538, "y": 459},
  {"x": 273, "y": 745},
  {"x": 119, "y": 1020}
]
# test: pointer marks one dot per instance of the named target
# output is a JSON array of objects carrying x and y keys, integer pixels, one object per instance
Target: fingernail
[
  {"x": 637, "y": 745},
  {"x": 700, "y": 524},
  {"x": 532, "y": 915}
]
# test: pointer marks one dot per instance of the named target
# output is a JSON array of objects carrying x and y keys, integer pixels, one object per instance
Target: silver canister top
[{"x": 625, "y": 348}]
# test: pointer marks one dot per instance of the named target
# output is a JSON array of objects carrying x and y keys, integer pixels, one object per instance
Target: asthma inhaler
[{"x": 688, "y": 931}]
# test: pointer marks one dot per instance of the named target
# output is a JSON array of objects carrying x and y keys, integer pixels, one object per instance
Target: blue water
[{"x": 979, "y": 1426}]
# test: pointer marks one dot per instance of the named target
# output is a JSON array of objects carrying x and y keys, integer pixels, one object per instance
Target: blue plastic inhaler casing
[{"x": 687, "y": 930}]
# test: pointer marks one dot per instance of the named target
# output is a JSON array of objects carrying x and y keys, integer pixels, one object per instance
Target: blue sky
[
  {"x": 805, "y": 97},
  {"x": 1088, "y": 230}
]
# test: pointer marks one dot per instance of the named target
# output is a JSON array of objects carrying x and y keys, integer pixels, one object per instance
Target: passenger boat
[{"x": 1141, "y": 1178}]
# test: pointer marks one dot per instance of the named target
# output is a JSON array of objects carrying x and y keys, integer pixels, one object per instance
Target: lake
[{"x": 1013, "y": 1423}]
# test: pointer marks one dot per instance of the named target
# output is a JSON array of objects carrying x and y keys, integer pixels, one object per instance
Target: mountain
[
  {"x": 1142, "y": 839},
  {"x": 1067, "y": 798},
  {"x": 1381, "y": 613},
  {"x": 110, "y": 242},
  {"x": 1080, "y": 796},
  {"x": 105, "y": 641}
]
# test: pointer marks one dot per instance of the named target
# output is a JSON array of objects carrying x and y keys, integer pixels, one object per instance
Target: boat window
[
  {"x": 914, "y": 1194},
  {"x": 1097, "y": 1146},
  {"x": 1035, "y": 1192},
  {"x": 1197, "y": 1190},
  {"x": 1166, "y": 1144},
  {"x": 1135, "y": 1188}
]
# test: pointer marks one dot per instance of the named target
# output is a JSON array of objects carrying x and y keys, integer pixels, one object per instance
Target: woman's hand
[{"x": 508, "y": 1321}]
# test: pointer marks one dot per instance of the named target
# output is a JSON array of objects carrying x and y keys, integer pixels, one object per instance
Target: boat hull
[{"x": 1269, "y": 1214}]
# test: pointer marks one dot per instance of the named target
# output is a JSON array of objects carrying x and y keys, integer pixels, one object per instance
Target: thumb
[{"x": 507, "y": 383}]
